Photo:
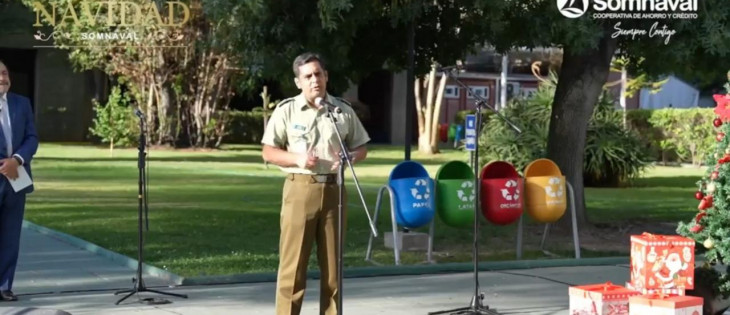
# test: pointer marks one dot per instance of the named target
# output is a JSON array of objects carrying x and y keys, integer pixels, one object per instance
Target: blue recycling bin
[
  {"x": 459, "y": 133},
  {"x": 413, "y": 191}
]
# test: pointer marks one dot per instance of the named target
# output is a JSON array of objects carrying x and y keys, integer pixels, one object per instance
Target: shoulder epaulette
[
  {"x": 344, "y": 101},
  {"x": 284, "y": 102}
]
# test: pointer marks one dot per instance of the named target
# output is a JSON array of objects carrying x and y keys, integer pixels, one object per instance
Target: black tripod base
[
  {"x": 476, "y": 308},
  {"x": 131, "y": 292},
  {"x": 470, "y": 310}
]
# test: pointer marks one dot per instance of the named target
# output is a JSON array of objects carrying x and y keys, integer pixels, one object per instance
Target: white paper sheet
[{"x": 22, "y": 181}]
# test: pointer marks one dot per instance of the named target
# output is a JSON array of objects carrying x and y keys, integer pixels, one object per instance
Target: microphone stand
[
  {"x": 344, "y": 156},
  {"x": 143, "y": 208},
  {"x": 476, "y": 307}
]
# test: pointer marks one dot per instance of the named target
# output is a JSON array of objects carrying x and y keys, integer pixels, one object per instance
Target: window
[
  {"x": 480, "y": 91},
  {"x": 528, "y": 92},
  {"x": 513, "y": 89},
  {"x": 451, "y": 91}
]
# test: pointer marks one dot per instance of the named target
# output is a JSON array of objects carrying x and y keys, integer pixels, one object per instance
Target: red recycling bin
[
  {"x": 501, "y": 193},
  {"x": 444, "y": 132}
]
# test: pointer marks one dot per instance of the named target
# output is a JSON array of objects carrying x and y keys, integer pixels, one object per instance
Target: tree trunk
[
  {"x": 150, "y": 115},
  {"x": 581, "y": 79},
  {"x": 428, "y": 113},
  {"x": 419, "y": 105},
  {"x": 424, "y": 139},
  {"x": 437, "y": 114},
  {"x": 622, "y": 100},
  {"x": 265, "y": 99},
  {"x": 163, "y": 115}
]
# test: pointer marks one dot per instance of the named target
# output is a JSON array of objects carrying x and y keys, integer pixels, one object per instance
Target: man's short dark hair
[{"x": 306, "y": 58}]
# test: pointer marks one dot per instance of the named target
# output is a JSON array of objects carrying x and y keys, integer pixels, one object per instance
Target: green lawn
[
  {"x": 662, "y": 194},
  {"x": 217, "y": 212}
]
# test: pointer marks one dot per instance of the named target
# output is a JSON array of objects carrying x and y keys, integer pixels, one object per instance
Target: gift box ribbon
[
  {"x": 608, "y": 286},
  {"x": 659, "y": 237},
  {"x": 658, "y": 295},
  {"x": 618, "y": 309}
]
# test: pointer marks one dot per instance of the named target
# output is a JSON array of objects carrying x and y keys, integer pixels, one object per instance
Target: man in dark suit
[{"x": 18, "y": 144}]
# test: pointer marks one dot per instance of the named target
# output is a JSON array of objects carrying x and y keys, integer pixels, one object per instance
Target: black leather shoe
[{"x": 8, "y": 296}]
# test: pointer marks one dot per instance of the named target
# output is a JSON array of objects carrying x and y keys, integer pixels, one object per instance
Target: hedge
[
  {"x": 674, "y": 134},
  {"x": 245, "y": 127}
]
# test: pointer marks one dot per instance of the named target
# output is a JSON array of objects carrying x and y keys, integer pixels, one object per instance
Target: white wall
[{"x": 675, "y": 93}]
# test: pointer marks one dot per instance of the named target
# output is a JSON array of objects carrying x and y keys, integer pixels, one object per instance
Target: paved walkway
[
  {"x": 55, "y": 277},
  {"x": 50, "y": 266}
]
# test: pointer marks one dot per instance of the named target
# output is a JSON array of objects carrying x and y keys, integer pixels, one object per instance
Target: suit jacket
[{"x": 25, "y": 139}]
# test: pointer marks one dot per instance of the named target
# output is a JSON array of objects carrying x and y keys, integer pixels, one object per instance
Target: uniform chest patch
[{"x": 300, "y": 127}]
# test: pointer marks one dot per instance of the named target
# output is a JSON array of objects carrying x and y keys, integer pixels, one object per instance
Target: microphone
[
  {"x": 458, "y": 66},
  {"x": 449, "y": 68},
  {"x": 139, "y": 113},
  {"x": 321, "y": 102}
]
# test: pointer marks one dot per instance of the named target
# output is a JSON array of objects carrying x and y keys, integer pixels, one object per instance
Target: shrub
[
  {"x": 460, "y": 116},
  {"x": 245, "y": 127},
  {"x": 675, "y": 134},
  {"x": 499, "y": 141},
  {"x": 115, "y": 122},
  {"x": 613, "y": 155},
  {"x": 649, "y": 135},
  {"x": 687, "y": 132}
]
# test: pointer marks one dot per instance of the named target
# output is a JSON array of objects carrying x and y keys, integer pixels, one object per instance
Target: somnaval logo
[{"x": 572, "y": 8}]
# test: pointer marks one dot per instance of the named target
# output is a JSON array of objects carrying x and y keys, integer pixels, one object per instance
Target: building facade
[{"x": 61, "y": 98}]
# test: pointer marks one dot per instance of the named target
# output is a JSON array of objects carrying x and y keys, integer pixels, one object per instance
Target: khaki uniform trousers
[{"x": 308, "y": 213}]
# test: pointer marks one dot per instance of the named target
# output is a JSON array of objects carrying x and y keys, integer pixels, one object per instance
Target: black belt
[{"x": 314, "y": 178}]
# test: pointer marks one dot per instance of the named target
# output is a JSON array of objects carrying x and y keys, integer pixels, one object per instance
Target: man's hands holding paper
[
  {"x": 337, "y": 161},
  {"x": 17, "y": 176},
  {"x": 307, "y": 160},
  {"x": 9, "y": 167},
  {"x": 356, "y": 155}
]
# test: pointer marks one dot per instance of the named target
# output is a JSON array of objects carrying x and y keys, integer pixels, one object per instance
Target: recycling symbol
[
  {"x": 554, "y": 181},
  {"x": 421, "y": 190},
  {"x": 510, "y": 185},
  {"x": 466, "y": 193}
]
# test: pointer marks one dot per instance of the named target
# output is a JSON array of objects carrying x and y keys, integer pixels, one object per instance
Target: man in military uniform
[{"x": 300, "y": 138}]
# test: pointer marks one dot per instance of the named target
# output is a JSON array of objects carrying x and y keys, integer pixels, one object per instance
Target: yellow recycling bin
[{"x": 545, "y": 191}]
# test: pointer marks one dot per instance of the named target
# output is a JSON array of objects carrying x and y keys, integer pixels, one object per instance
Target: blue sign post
[{"x": 470, "y": 133}]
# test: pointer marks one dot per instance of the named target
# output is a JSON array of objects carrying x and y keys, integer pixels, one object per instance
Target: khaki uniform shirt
[{"x": 300, "y": 128}]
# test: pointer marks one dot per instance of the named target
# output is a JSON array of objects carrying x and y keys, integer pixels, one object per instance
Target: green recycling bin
[
  {"x": 455, "y": 194},
  {"x": 452, "y": 132}
]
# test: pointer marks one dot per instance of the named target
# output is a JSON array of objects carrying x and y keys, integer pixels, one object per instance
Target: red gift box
[
  {"x": 662, "y": 262},
  {"x": 656, "y": 304},
  {"x": 600, "y": 299}
]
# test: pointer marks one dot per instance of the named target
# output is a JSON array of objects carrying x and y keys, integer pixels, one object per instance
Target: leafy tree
[
  {"x": 428, "y": 114},
  {"x": 356, "y": 37},
  {"x": 629, "y": 87},
  {"x": 613, "y": 155},
  {"x": 174, "y": 65},
  {"x": 588, "y": 48},
  {"x": 113, "y": 122}
]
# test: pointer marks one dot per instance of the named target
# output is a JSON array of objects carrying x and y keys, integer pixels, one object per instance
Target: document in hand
[{"x": 22, "y": 181}]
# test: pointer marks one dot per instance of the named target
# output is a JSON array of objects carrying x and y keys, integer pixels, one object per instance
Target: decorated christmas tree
[{"x": 711, "y": 225}]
